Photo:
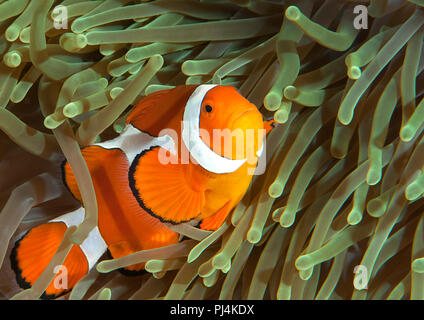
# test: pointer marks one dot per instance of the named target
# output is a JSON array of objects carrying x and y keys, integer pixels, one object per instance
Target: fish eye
[{"x": 208, "y": 108}]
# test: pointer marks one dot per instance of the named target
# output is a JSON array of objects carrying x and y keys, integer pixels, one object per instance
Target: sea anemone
[{"x": 338, "y": 213}]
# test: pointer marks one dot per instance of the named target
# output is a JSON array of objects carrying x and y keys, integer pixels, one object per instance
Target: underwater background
[{"x": 338, "y": 213}]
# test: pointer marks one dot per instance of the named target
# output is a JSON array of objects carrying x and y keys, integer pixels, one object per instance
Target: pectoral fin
[
  {"x": 163, "y": 189},
  {"x": 216, "y": 220}
]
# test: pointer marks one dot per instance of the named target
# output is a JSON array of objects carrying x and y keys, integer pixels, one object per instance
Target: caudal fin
[{"x": 33, "y": 252}]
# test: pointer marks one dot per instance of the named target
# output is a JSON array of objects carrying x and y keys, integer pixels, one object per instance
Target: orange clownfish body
[{"x": 187, "y": 154}]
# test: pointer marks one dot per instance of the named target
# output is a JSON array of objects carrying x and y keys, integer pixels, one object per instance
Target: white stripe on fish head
[{"x": 200, "y": 152}]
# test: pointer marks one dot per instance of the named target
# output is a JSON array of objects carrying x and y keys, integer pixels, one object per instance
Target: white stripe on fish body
[
  {"x": 73, "y": 218},
  {"x": 93, "y": 246},
  {"x": 133, "y": 141}
]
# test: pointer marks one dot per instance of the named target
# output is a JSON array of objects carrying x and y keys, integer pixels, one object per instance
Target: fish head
[{"x": 230, "y": 125}]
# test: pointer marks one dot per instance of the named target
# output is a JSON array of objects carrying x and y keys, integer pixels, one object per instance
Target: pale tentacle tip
[
  {"x": 337, "y": 153},
  {"x": 12, "y": 33},
  {"x": 406, "y": 133},
  {"x": 354, "y": 73},
  {"x": 105, "y": 294},
  {"x": 293, "y": 13},
  {"x": 418, "y": 265},
  {"x": 306, "y": 274},
  {"x": 281, "y": 116},
  {"x": 100, "y": 267},
  {"x": 287, "y": 219},
  {"x": 12, "y": 59},
  {"x": 272, "y": 101},
  {"x": 291, "y": 92},
  {"x": 219, "y": 261},
  {"x": 50, "y": 123},
  {"x": 375, "y": 208},
  {"x": 70, "y": 110},
  {"x": 354, "y": 217},
  {"x": 373, "y": 177},
  {"x": 345, "y": 118},
  {"x": 304, "y": 262},
  {"x": 157, "y": 61},
  {"x": 254, "y": 235},
  {"x": 275, "y": 190},
  {"x": 413, "y": 191}
]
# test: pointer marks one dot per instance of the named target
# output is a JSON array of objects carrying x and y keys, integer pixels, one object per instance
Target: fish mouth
[{"x": 249, "y": 110}]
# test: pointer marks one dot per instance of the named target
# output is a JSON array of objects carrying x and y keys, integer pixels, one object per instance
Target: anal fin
[{"x": 122, "y": 249}]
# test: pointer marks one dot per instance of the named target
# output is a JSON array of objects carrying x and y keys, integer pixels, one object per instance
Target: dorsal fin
[{"x": 154, "y": 112}]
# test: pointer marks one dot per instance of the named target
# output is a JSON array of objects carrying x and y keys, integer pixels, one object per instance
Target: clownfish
[{"x": 149, "y": 177}]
